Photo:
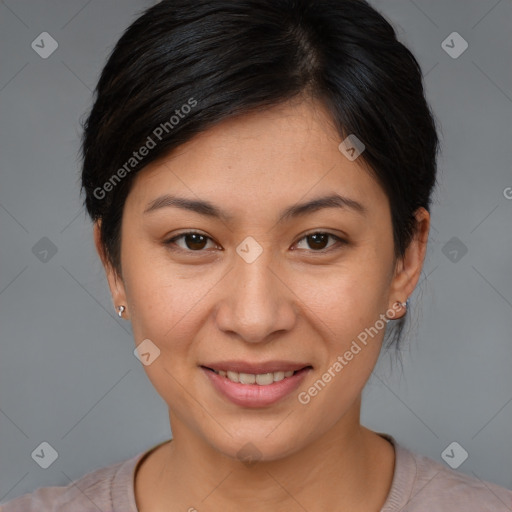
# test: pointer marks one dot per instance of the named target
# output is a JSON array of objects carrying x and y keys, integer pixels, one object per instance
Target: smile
[
  {"x": 255, "y": 389},
  {"x": 261, "y": 379}
]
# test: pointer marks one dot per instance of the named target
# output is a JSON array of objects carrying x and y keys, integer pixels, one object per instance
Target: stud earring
[
  {"x": 405, "y": 304},
  {"x": 120, "y": 310}
]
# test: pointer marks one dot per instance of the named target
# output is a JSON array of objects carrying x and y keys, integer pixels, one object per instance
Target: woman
[{"x": 259, "y": 174}]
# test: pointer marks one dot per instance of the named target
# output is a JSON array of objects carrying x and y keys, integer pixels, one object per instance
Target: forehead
[{"x": 264, "y": 159}]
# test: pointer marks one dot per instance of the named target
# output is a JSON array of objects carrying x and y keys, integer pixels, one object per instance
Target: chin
[{"x": 258, "y": 446}]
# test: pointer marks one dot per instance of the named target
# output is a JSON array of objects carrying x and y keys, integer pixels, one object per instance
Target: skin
[{"x": 297, "y": 301}]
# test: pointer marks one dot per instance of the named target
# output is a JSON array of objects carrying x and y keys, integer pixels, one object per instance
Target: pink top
[{"x": 419, "y": 484}]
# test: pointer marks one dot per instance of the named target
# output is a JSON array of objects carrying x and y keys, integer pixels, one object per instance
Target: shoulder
[
  {"x": 421, "y": 484},
  {"x": 91, "y": 492},
  {"x": 457, "y": 488}
]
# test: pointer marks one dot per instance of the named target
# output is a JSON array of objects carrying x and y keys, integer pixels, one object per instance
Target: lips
[{"x": 255, "y": 384}]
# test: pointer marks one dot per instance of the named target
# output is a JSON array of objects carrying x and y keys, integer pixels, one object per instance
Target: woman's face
[{"x": 255, "y": 291}]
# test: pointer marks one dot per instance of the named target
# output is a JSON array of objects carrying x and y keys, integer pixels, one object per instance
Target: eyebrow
[{"x": 208, "y": 209}]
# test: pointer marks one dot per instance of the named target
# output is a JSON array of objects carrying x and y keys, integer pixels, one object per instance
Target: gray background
[{"x": 68, "y": 375}]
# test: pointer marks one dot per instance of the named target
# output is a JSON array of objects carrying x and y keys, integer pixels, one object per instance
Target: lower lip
[{"x": 254, "y": 395}]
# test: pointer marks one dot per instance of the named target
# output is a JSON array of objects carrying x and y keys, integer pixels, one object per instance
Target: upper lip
[{"x": 256, "y": 368}]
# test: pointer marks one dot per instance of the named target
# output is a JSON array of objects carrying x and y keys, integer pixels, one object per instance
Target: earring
[
  {"x": 404, "y": 305},
  {"x": 120, "y": 310}
]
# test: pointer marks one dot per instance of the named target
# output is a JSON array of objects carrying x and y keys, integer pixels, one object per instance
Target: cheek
[
  {"x": 164, "y": 309},
  {"x": 153, "y": 300},
  {"x": 167, "y": 305},
  {"x": 345, "y": 299},
  {"x": 345, "y": 311},
  {"x": 345, "y": 307}
]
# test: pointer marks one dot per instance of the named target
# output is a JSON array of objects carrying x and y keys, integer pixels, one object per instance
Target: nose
[{"x": 256, "y": 301}]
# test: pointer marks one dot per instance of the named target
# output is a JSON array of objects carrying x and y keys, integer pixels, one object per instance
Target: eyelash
[{"x": 169, "y": 243}]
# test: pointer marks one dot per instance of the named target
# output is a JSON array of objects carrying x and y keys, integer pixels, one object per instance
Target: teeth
[
  {"x": 278, "y": 376},
  {"x": 246, "y": 378},
  {"x": 235, "y": 377},
  {"x": 262, "y": 379}
]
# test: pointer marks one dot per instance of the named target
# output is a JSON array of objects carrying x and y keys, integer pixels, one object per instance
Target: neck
[{"x": 348, "y": 468}]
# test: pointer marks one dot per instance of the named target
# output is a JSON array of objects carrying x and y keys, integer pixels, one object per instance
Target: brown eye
[
  {"x": 318, "y": 241},
  {"x": 193, "y": 241}
]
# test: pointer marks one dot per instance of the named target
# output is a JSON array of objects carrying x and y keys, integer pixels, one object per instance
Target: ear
[
  {"x": 115, "y": 281},
  {"x": 408, "y": 268}
]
